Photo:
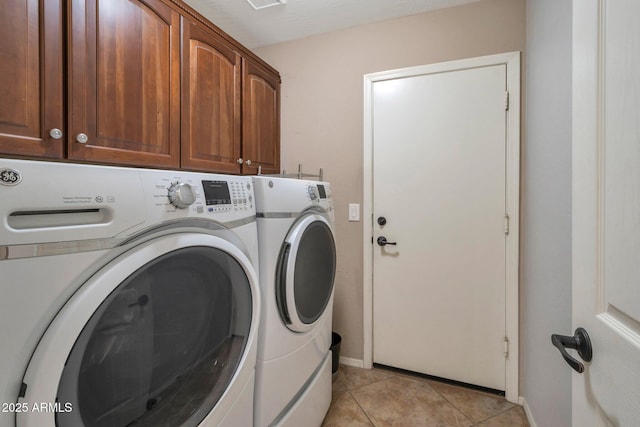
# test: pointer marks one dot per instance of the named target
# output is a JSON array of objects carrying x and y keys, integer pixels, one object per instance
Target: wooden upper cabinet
[
  {"x": 260, "y": 119},
  {"x": 31, "y": 85},
  {"x": 124, "y": 82},
  {"x": 211, "y": 91},
  {"x": 133, "y": 82}
]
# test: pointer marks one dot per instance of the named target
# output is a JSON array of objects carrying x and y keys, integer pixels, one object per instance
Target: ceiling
[{"x": 297, "y": 19}]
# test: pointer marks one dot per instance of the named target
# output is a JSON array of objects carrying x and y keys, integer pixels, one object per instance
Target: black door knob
[
  {"x": 382, "y": 241},
  {"x": 579, "y": 341},
  {"x": 382, "y": 220}
]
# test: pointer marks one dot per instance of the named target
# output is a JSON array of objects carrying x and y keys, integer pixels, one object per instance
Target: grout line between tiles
[
  {"x": 368, "y": 384},
  {"x": 452, "y": 404},
  {"x": 362, "y": 409},
  {"x": 428, "y": 383},
  {"x": 409, "y": 377},
  {"x": 351, "y": 390},
  {"x": 495, "y": 415}
]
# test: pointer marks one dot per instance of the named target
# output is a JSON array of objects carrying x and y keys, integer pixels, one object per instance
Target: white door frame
[{"x": 512, "y": 62}]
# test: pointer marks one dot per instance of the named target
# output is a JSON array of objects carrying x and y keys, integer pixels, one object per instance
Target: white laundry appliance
[
  {"x": 297, "y": 271},
  {"x": 128, "y": 297}
]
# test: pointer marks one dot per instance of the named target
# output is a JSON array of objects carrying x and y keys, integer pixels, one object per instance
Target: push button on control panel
[
  {"x": 241, "y": 196},
  {"x": 227, "y": 196},
  {"x": 312, "y": 192}
]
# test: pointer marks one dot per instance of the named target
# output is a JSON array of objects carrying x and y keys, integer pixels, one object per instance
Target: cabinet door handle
[
  {"x": 55, "y": 133},
  {"x": 248, "y": 162},
  {"x": 82, "y": 138},
  {"x": 240, "y": 161}
]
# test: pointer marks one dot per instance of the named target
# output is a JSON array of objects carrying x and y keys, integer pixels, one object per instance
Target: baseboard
[
  {"x": 527, "y": 411},
  {"x": 356, "y": 363}
]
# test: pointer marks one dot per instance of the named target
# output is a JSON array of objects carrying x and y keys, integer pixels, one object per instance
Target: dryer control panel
[
  {"x": 278, "y": 195},
  {"x": 316, "y": 192}
]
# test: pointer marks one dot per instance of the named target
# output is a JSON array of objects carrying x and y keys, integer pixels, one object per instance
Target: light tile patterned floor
[{"x": 381, "y": 398}]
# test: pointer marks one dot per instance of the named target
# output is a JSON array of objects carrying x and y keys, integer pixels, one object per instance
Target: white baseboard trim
[
  {"x": 527, "y": 412},
  {"x": 356, "y": 363}
]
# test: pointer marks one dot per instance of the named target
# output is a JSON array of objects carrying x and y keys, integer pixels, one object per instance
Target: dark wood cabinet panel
[
  {"x": 124, "y": 77},
  {"x": 211, "y": 91},
  {"x": 133, "y": 82},
  {"x": 260, "y": 120},
  {"x": 31, "y": 94}
]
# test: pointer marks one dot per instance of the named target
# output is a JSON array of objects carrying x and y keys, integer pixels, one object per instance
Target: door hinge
[
  {"x": 506, "y": 347},
  {"x": 506, "y": 100},
  {"x": 506, "y": 224}
]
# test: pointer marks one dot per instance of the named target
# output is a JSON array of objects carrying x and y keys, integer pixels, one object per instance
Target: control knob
[
  {"x": 313, "y": 192},
  {"x": 181, "y": 195}
]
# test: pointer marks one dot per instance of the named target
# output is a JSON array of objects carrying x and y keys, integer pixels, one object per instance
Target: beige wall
[{"x": 322, "y": 109}]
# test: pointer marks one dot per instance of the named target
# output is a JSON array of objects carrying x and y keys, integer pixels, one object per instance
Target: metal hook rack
[{"x": 301, "y": 175}]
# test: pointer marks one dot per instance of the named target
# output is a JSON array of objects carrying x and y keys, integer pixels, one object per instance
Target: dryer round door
[
  {"x": 305, "y": 272},
  {"x": 158, "y": 336}
]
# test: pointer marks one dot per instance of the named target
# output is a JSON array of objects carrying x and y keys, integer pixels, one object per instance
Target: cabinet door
[
  {"x": 260, "y": 119},
  {"x": 124, "y": 80},
  {"x": 31, "y": 97},
  {"x": 211, "y": 89}
]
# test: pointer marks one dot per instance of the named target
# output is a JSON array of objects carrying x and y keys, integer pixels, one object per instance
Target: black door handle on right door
[
  {"x": 579, "y": 341},
  {"x": 382, "y": 241}
]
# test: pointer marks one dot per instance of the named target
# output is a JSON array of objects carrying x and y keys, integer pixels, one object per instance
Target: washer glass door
[
  {"x": 306, "y": 272},
  {"x": 167, "y": 329}
]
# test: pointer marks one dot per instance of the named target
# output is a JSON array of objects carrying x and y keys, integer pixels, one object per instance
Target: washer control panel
[
  {"x": 227, "y": 195},
  {"x": 196, "y": 193}
]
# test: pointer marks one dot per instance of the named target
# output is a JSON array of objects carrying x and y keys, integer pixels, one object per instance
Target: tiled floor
[{"x": 376, "y": 397}]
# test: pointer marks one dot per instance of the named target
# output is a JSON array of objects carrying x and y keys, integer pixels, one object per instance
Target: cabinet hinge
[
  {"x": 506, "y": 100},
  {"x": 506, "y": 223},
  {"x": 506, "y": 347}
]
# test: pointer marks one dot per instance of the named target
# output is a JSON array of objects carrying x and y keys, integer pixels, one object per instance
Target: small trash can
[{"x": 336, "y": 339}]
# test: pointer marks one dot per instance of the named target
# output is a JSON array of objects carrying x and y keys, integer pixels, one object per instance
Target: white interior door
[
  {"x": 606, "y": 209},
  {"x": 439, "y": 171}
]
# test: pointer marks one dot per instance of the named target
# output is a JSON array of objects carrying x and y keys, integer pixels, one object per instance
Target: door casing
[{"x": 512, "y": 62}]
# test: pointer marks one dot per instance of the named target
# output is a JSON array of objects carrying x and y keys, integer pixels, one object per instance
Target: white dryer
[
  {"x": 297, "y": 271},
  {"x": 129, "y": 297}
]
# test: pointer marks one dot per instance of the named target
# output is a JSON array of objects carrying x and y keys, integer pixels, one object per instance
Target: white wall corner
[
  {"x": 527, "y": 411},
  {"x": 356, "y": 363}
]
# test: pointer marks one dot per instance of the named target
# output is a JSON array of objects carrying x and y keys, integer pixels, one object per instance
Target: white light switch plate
[{"x": 354, "y": 212}]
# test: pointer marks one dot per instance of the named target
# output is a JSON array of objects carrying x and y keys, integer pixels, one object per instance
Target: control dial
[
  {"x": 181, "y": 195},
  {"x": 313, "y": 192}
]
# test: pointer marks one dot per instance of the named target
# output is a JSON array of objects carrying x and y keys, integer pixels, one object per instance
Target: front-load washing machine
[
  {"x": 297, "y": 271},
  {"x": 130, "y": 297}
]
